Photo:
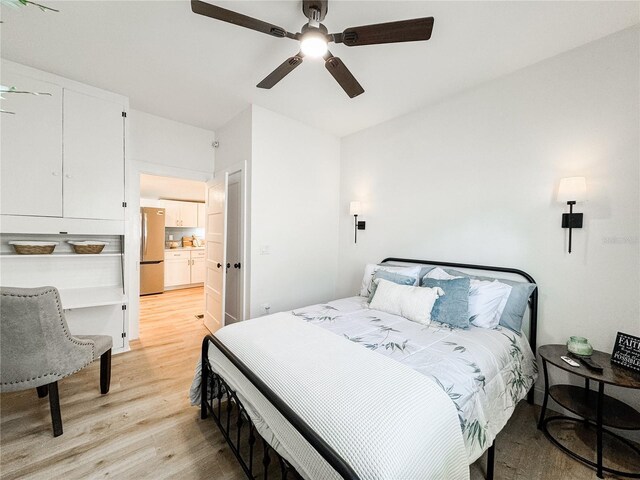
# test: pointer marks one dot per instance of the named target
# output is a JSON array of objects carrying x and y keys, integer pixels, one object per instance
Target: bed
[{"x": 357, "y": 354}]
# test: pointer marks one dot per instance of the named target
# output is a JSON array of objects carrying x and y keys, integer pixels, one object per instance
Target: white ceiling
[
  {"x": 154, "y": 187},
  {"x": 179, "y": 65}
]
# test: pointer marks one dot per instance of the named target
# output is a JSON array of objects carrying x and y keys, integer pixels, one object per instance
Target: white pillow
[
  {"x": 372, "y": 268},
  {"x": 439, "y": 274},
  {"x": 487, "y": 301},
  {"x": 412, "y": 303}
]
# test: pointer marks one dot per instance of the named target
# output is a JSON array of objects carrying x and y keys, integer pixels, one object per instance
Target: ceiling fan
[{"x": 314, "y": 38}]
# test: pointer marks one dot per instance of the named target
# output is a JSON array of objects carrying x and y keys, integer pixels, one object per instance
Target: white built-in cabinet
[
  {"x": 63, "y": 153},
  {"x": 31, "y": 138},
  {"x": 93, "y": 153},
  {"x": 63, "y": 178},
  {"x": 183, "y": 268},
  {"x": 180, "y": 214}
]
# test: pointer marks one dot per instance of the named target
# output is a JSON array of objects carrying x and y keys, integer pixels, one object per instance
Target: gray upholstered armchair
[{"x": 37, "y": 350}]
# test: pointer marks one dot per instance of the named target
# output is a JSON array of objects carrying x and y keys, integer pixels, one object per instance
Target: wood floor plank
[{"x": 145, "y": 428}]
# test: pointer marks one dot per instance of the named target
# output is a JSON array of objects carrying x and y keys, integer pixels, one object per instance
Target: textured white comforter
[
  {"x": 485, "y": 372},
  {"x": 386, "y": 420}
]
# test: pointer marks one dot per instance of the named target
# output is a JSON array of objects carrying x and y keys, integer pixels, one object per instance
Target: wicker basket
[
  {"x": 33, "y": 249},
  {"x": 88, "y": 248}
]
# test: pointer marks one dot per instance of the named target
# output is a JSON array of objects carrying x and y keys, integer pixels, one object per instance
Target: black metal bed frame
[{"x": 216, "y": 392}]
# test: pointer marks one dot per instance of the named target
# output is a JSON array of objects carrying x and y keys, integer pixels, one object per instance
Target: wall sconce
[
  {"x": 355, "y": 209},
  {"x": 572, "y": 190}
]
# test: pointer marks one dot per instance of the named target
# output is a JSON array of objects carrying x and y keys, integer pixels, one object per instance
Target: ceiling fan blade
[
  {"x": 219, "y": 13},
  {"x": 343, "y": 76},
  {"x": 282, "y": 71},
  {"x": 392, "y": 32}
]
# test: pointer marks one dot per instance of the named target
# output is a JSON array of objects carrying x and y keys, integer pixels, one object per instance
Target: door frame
[
  {"x": 132, "y": 238},
  {"x": 241, "y": 168}
]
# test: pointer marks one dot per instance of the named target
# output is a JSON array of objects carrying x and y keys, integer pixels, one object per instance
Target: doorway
[{"x": 172, "y": 253}]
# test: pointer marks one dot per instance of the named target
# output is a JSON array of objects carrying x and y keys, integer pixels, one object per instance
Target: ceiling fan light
[{"x": 313, "y": 46}]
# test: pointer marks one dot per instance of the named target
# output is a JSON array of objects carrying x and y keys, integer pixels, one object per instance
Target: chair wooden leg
[
  {"x": 105, "y": 372},
  {"x": 43, "y": 391},
  {"x": 54, "y": 405},
  {"x": 491, "y": 460}
]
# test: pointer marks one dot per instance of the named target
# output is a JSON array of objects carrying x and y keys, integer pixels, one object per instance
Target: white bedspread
[
  {"x": 485, "y": 372},
  {"x": 385, "y": 419}
]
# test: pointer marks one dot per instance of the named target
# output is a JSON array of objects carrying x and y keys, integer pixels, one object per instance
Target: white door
[
  {"x": 216, "y": 255},
  {"x": 233, "y": 288},
  {"x": 93, "y": 157},
  {"x": 31, "y": 167},
  {"x": 188, "y": 214}
]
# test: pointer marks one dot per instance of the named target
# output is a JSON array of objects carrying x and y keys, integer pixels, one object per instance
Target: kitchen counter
[{"x": 183, "y": 248}]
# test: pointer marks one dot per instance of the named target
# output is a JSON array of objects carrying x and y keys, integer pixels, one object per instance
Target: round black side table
[{"x": 593, "y": 407}]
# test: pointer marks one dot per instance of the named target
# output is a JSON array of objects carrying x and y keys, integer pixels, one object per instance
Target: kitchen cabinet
[
  {"x": 202, "y": 215},
  {"x": 180, "y": 214},
  {"x": 93, "y": 151},
  {"x": 198, "y": 270},
  {"x": 177, "y": 268},
  {"x": 188, "y": 214},
  {"x": 183, "y": 268},
  {"x": 31, "y": 167}
]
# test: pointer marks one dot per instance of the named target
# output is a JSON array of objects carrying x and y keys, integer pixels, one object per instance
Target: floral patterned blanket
[{"x": 485, "y": 372}]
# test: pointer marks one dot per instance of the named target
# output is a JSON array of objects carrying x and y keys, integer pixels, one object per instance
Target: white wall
[
  {"x": 295, "y": 175},
  {"x": 234, "y": 151},
  {"x": 473, "y": 179},
  {"x": 158, "y": 146},
  {"x": 166, "y": 142},
  {"x": 235, "y": 141}
]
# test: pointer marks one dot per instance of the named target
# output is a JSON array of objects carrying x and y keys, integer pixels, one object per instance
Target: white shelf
[
  {"x": 92, "y": 297},
  {"x": 59, "y": 255}
]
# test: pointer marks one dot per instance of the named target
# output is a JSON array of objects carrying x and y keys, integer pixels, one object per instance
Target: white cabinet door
[
  {"x": 202, "y": 215},
  {"x": 93, "y": 142},
  {"x": 171, "y": 213},
  {"x": 31, "y": 167},
  {"x": 177, "y": 272},
  {"x": 198, "y": 270},
  {"x": 188, "y": 214},
  {"x": 108, "y": 320}
]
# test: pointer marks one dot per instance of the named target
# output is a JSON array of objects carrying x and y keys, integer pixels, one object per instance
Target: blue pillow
[
  {"x": 453, "y": 307},
  {"x": 513, "y": 312},
  {"x": 392, "y": 277}
]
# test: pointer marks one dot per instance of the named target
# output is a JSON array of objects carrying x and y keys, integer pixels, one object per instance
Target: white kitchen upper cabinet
[
  {"x": 202, "y": 215},
  {"x": 171, "y": 213},
  {"x": 188, "y": 214},
  {"x": 31, "y": 167},
  {"x": 93, "y": 140}
]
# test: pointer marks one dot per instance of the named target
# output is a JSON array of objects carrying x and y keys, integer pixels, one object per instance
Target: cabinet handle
[
  {"x": 236, "y": 265},
  {"x": 68, "y": 175},
  {"x": 55, "y": 174},
  {"x": 219, "y": 265},
  {"x": 228, "y": 265}
]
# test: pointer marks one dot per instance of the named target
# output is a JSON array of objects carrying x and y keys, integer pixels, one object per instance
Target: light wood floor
[{"x": 145, "y": 428}]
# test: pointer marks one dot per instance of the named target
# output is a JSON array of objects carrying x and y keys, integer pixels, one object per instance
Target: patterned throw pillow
[{"x": 412, "y": 303}]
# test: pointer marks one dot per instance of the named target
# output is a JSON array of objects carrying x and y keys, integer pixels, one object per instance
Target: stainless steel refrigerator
[{"x": 152, "y": 251}]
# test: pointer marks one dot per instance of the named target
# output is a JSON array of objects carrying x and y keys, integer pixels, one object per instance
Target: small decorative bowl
[{"x": 579, "y": 346}]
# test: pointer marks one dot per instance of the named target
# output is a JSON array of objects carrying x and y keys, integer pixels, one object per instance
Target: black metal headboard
[{"x": 533, "y": 299}]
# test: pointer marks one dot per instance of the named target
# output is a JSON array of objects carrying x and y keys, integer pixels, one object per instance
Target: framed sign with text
[{"x": 626, "y": 351}]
